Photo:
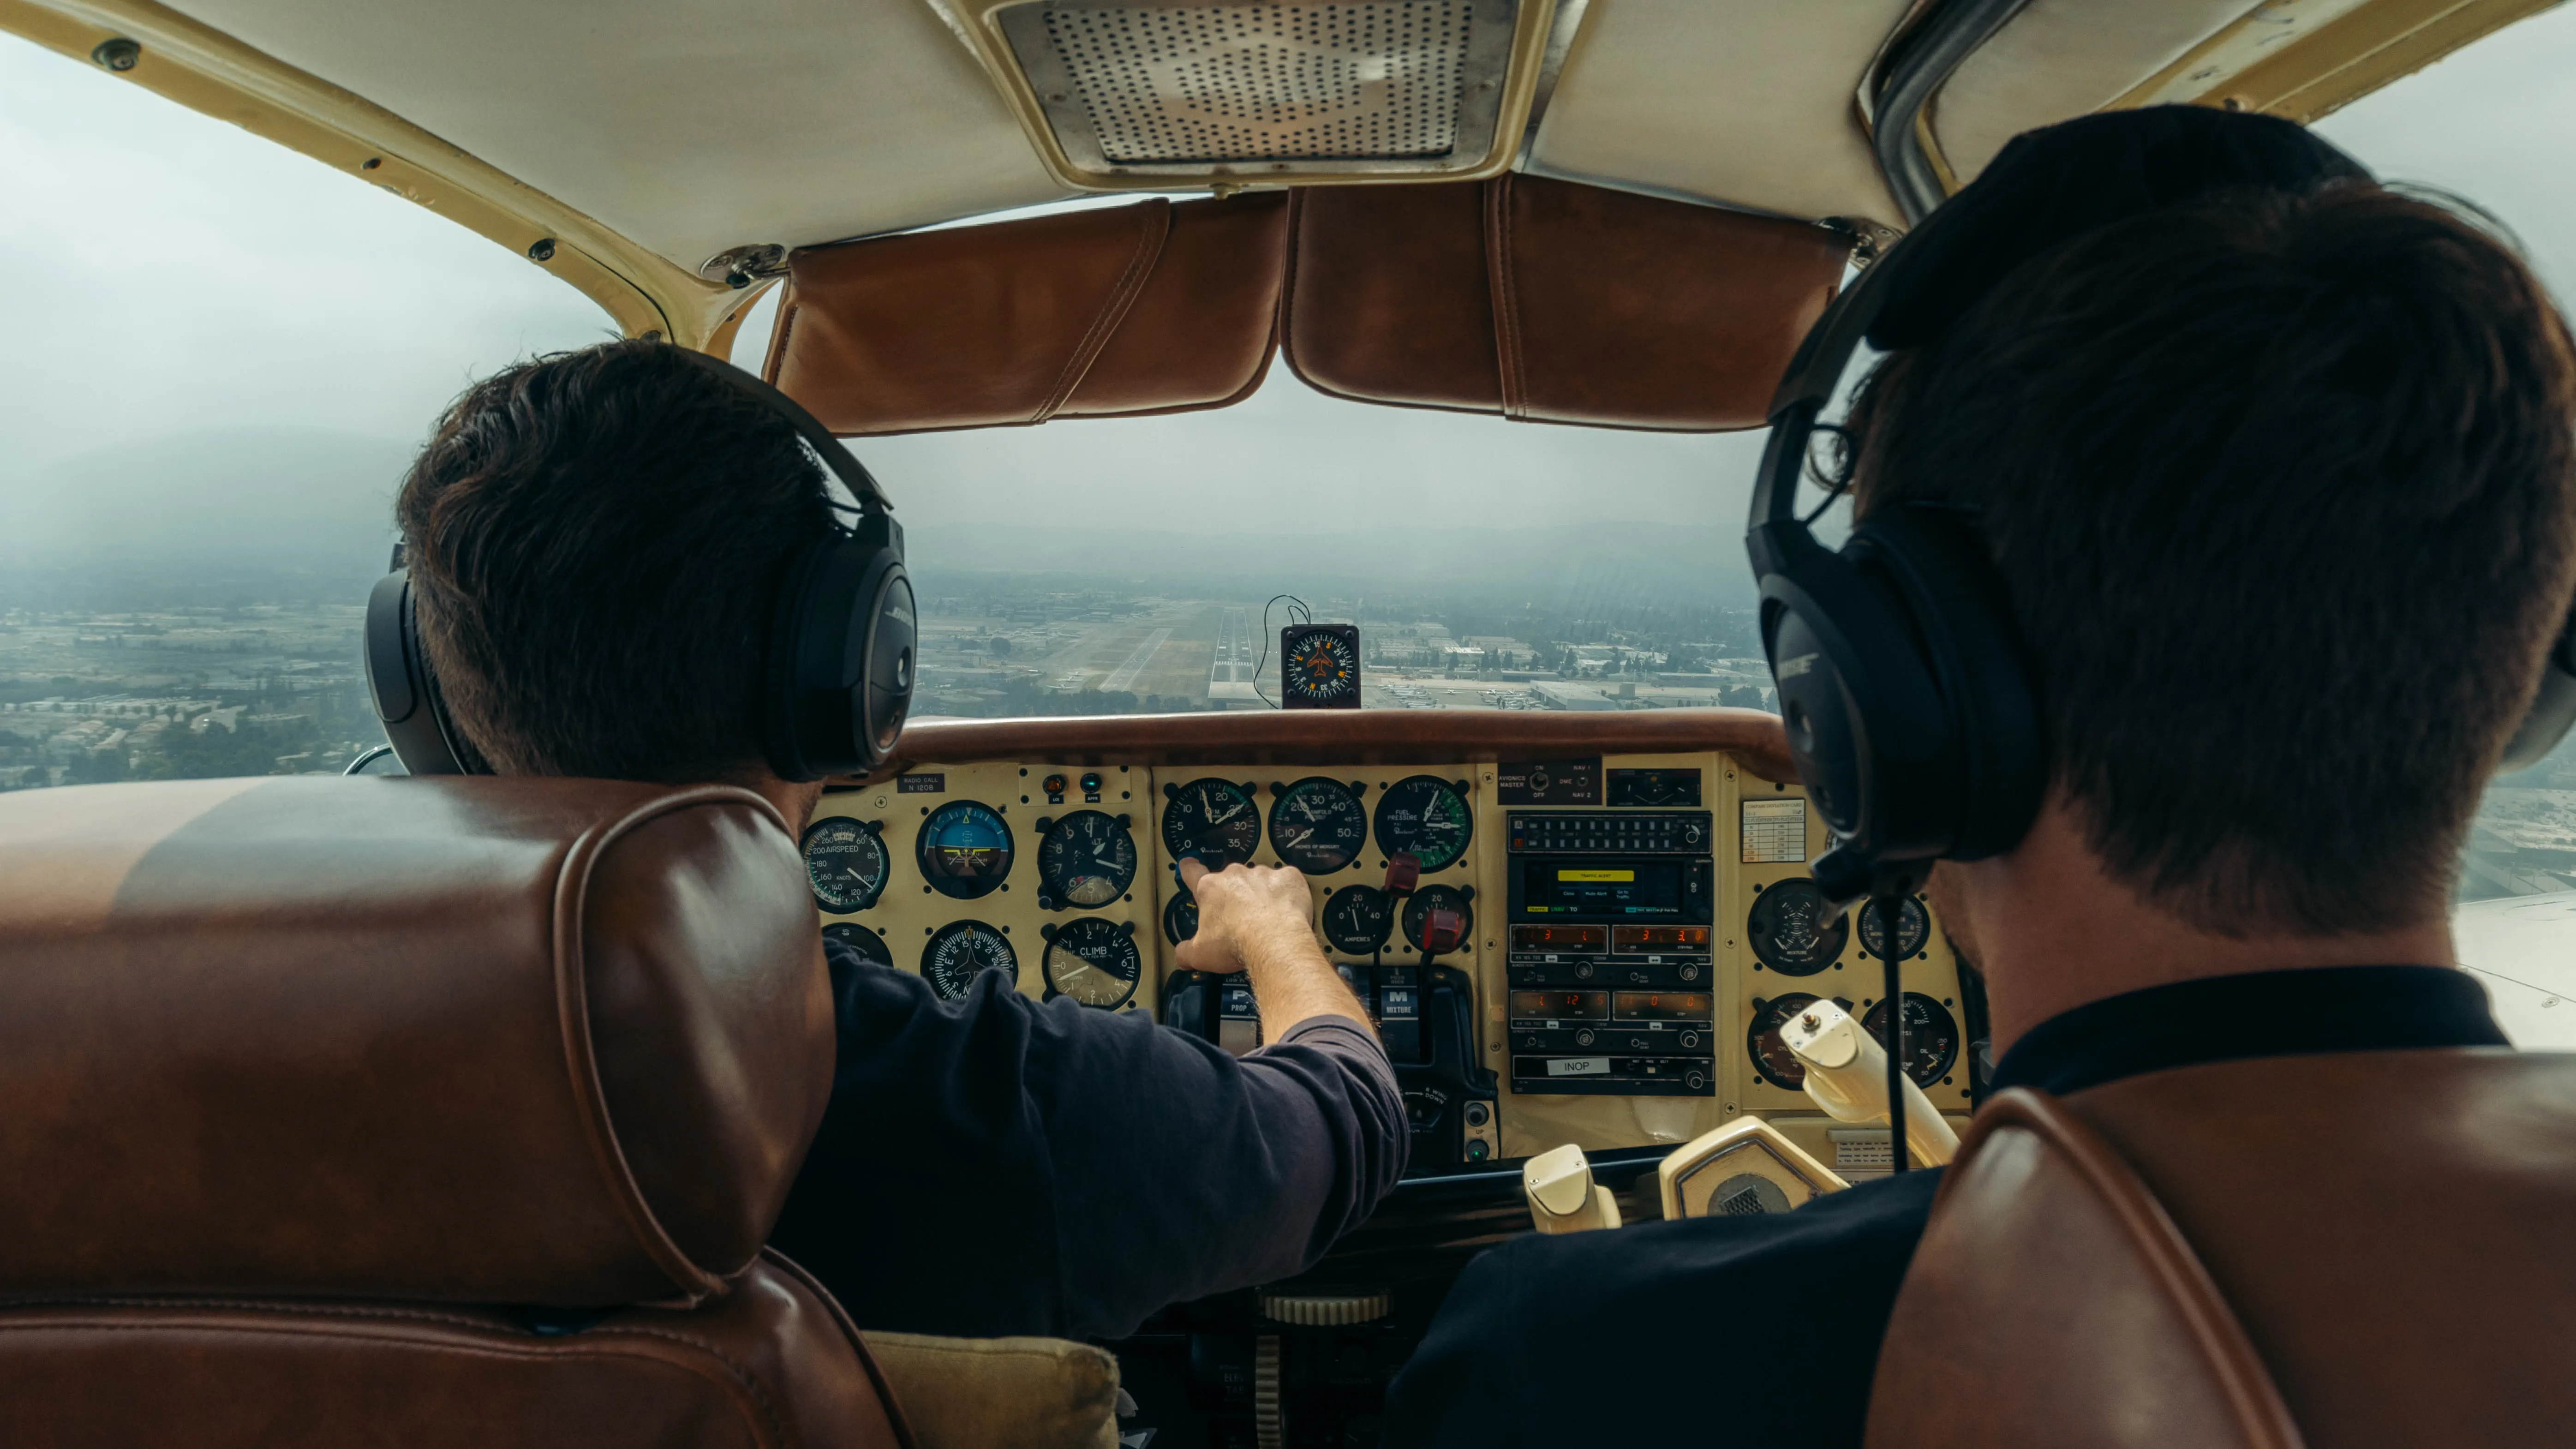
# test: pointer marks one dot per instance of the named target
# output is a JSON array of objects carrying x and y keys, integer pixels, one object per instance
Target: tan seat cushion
[{"x": 1000, "y": 1393}]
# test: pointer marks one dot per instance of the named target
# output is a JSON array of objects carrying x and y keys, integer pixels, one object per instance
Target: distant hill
[
  {"x": 1570, "y": 564},
  {"x": 294, "y": 499}
]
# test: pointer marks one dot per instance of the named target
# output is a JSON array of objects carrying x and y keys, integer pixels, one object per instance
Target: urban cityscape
[{"x": 104, "y": 681}]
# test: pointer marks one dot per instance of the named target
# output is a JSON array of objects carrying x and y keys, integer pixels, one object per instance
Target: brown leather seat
[
  {"x": 2361, "y": 1249},
  {"x": 411, "y": 1112}
]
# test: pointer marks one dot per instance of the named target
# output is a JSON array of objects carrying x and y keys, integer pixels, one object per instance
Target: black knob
[
  {"x": 1583, "y": 1038},
  {"x": 1477, "y": 1114}
]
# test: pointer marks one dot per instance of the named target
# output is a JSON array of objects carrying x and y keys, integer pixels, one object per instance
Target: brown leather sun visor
[
  {"x": 457, "y": 1040},
  {"x": 1150, "y": 308},
  {"x": 1550, "y": 301}
]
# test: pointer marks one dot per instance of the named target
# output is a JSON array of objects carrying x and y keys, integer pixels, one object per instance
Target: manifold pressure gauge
[
  {"x": 1094, "y": 960},
  {"x": 1319, "y": 666}
]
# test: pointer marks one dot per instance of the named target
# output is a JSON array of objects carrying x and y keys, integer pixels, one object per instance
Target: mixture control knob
[{"x": 1326, "y": 1310}]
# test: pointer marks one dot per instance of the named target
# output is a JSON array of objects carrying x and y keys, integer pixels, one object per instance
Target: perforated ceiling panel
[
  {"x": 1240, "y": 84},
  {"x": 1395, "y": 85}
]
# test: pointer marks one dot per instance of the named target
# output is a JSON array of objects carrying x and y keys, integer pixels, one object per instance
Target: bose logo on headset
[{"x": 838, "y": 669}]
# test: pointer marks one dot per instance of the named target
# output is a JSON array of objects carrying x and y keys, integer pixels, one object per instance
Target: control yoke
[{"x": 1847, "y": 1076}]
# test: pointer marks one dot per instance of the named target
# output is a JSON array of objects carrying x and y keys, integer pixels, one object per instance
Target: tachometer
[
  {"x": 1087, "y": 859},
  {"x": 862, "y": 940},
  {"x": 1787, "y": 931},
  {"x": 1418, "y": 909},
  {"x": 1913, "y": 928},
  {"x": 964, "y": 850},
  {"x": 1357, "y": 919},
  {"x": 1931, "y": 1036},
  {"x": 1771, "y": 1056},
  {"x": 1428, "y": 817},
  {"x": 1318, "y": 825},
  {"x": 845, "y": 863},
  {"x": 960, "y": 949},
  {"x": 1093, "y": 960},
  {"x": 1213, "y": 820}
]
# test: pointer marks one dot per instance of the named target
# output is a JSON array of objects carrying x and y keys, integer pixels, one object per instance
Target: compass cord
[{"x": 1298, "y": 613}]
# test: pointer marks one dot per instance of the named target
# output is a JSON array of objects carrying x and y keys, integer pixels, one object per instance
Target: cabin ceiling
[{"x": 650, "y": 135}]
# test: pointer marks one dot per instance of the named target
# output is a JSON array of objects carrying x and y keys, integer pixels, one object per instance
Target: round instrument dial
[
  {"x": 1913, "y": 928},
  {"x": 1931, "y": 1036},
  {"x": 1212, "y": 820},
  {"x": 964, "y": 850},
  {"x": 1771, "y": 1056},
  {"x": 862, "y": 940},
  {"x": 1318, "y": 825},
  {"x": 1321, "y": 669},
  {"x": 1088, "y": 859},
  {"x": 1180, "y": 918},
  {"x": 1093, "y": 960},
  {"x": 959, "y": 950},
  {"x": 1418, "y": 909},
  {"x": 845, "y": 863},
  {"x": 1357, "y": 919},
  {"x": 1426, "y": 816},
  {"x": 1787, "y": 931}
]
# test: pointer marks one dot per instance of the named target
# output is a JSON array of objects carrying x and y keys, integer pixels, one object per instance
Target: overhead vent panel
[{"x": 1121, "y": 96}]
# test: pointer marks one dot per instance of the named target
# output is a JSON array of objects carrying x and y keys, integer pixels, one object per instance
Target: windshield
[
  {"x": 224, "y": 355},
  {"x": 233, "y": 353}
]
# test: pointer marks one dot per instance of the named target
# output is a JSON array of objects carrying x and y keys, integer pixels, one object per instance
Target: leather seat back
[
  {"x": 411, "y": 1111},
  {"x": 2358, "y": 1249}
]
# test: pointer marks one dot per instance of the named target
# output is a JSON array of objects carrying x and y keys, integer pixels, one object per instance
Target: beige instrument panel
[{"x": 1761, "y": 835}]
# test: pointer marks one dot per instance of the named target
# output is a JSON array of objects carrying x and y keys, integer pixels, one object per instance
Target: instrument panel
[{"x": 1596, "y": 950}]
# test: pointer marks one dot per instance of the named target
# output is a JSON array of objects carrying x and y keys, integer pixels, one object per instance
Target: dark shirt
[
  {"x": 992, "y": 1166},
  {"x": 1762, "y": 1331}
]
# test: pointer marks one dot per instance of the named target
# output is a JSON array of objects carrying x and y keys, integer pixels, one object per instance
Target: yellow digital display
[{"x": 1597, "y": 875}]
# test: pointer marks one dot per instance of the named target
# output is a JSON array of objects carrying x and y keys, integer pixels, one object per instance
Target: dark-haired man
[
  {"x": 2275, "y": 469},
  {"x": 593, "y": 544}
]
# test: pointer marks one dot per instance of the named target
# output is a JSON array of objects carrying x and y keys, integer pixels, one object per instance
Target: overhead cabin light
[{"x": 1129, "y": 97}]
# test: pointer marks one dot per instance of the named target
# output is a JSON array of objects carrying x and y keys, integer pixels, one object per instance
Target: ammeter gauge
[
  {"x": 1357, "y": 919},
  {"x": 1093, "y": 960}
]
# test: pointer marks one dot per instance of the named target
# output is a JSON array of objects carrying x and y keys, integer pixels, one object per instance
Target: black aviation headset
[
  {"x": 1905, "y": 693},
  {"x": 839, "y": 651}
]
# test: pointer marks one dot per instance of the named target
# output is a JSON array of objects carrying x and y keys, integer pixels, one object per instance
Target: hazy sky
[{"x": 173, "y": 275}]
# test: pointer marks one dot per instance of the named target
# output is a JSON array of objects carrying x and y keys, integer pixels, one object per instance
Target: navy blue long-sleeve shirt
[
  {"x": 993, "y": 1165},
  {"x": 1630, "y": 1337}
]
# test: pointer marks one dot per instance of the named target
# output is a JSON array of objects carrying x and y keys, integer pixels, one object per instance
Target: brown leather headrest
[{"x": 558, "y": 1042}]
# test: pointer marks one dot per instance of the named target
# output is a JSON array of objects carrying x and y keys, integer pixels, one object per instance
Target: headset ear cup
[
  {"x": 401, "y": 686},
  {"x": 840, "y": 663},
  {"x": 1960, "y": 616}
]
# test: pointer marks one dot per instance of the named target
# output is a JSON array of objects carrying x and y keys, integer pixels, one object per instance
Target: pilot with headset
[
  {"x": 2215, "y": 536},
  {"x": 625, "y": 563}
]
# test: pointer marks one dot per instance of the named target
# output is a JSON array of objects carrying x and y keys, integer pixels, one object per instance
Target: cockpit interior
[{"x": 295, "y": 1203}]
